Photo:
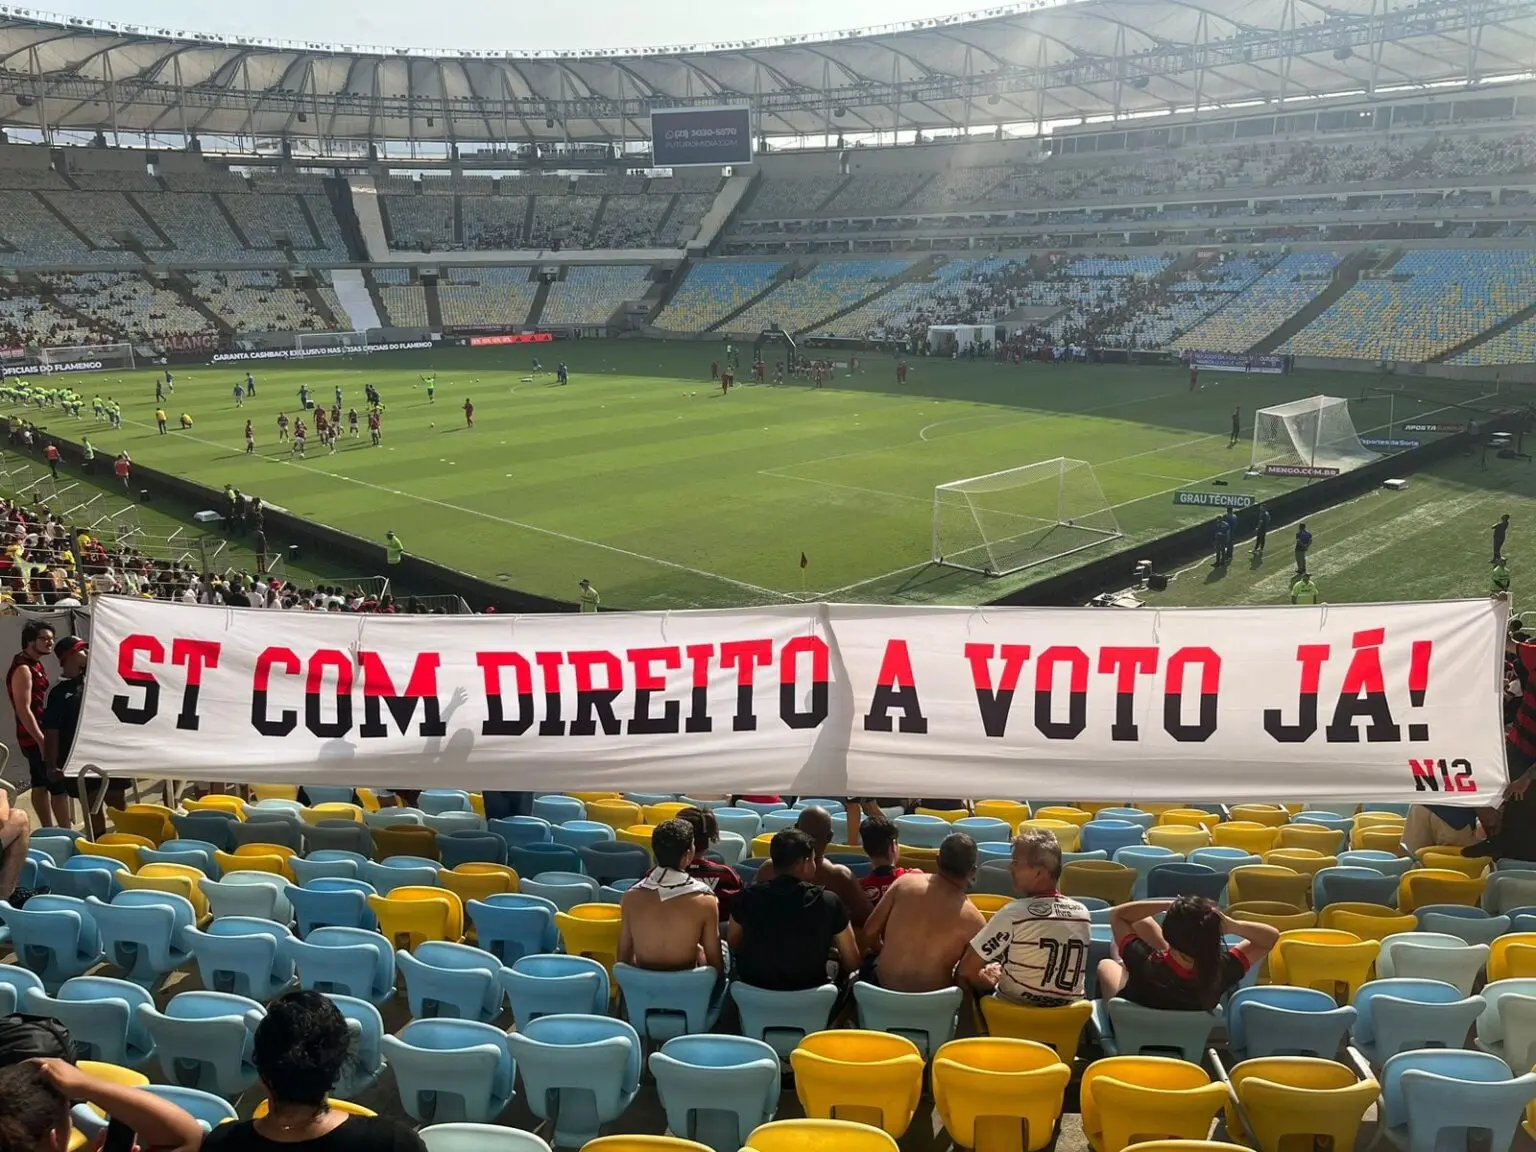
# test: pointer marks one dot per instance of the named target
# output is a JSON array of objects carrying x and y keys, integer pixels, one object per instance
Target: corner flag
[{"x": 804, "y": 563}]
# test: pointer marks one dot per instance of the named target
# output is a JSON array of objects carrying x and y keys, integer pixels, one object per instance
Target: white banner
[{"x": 1381, "y": 702}]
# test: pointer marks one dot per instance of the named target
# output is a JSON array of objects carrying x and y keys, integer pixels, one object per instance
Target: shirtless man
[
  {"x": 835, "y": 878},
  {"x": 923, "y": 924},
  {"x": 670, "y": 921}
]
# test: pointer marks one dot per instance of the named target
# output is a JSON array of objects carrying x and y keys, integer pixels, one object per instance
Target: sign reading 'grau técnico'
[
  {"x": 682, "y": 136},
  {"x": 1215, "y": 499}
]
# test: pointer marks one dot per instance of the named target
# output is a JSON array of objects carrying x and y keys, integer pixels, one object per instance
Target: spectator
[
  {"x": 27, "y": 685},
  {"x": 723, "y": 880},
  {"x": 1033, "y": 950},
  {"x": 791, "y": 934},
  {"x": 881, "y": 841},
  {"x": 919, "y": 930},
  {"x": 15, "y": 838},
  {"x": 816, "y": 823},
  {"x": 1438, "y": 825},
  {"x": 671, "y": 921},
  {"x": 1183, "y": 964},
  {"x": 61, "y": 718},
  {"x": 35, "y": 1098},
  {"x": 300, "y": 1049}
]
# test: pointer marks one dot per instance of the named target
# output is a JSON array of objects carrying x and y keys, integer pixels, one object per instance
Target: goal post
[
  {"x": 343, "y": 340},
  {"x": 1008, "y": 521},
  {"x": 87, "y": 357},
  {"x": 1317, "y": 432}
]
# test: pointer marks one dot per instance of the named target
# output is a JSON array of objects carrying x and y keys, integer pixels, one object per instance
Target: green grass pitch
[{"x": 640, "y": 476}]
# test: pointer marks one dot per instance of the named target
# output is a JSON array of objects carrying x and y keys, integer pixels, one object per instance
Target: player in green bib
[
  {"x": 1304, "y": 591},
  {"x": 1498, "y": 579}
]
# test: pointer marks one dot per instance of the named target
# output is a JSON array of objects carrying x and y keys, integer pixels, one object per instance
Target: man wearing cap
[
  {"x": 61, "y": 719},
  {"x": 589, "y": 597}
]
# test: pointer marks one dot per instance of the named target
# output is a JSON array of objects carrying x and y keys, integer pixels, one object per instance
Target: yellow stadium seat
[
  {"x": 1336, "y": 968},
  {"x": 346, "y": 1106},
  {"x": 1189, "y": 818},
  {"x": 1512, "y": 955},
  {"x": 1103, "y": 879},
  {"x": 262, "y": 849},
  {"x": 1065, "y": 831},
  {"x": 989, "y": 902},
  {"x": 617, "y": 814},
  {"x": 1326, "y": 841},
  {"x": 760, "y": 845},
  {"x": 274, "y": 792},
  {"x": 926, "y": 859},
  {"x": 1176, "y": 838},
  {"x": 593, "y": 797},
  {"x": 1283, "y": 1096},
  {"x": 333, "y": 811},
  {"x": 637, "y": 834},
  {"x": 1245, "y": 835},
  {"x": 947, "y": 814},
  {"x": 179, "y": 883},
  {"x": 657, "y": 813},
  {"x": 1187, "y": 1146},
  {"x": 644, "y": 1144},
  {"x": 1367, "y": 921},
  {"x": 1280, "y": 916},
  {"x": 404, "y": 840},
  {"x": 1270, "y": 815},
  {"x": 989, "y": 1083},
  {"x": 150, "y": 821},
  {"x": 271, "y": 862},
  {"x": 819, "y": 1136},
  {"x": 1274, "y": 964},
  {"x": 1058, "y": 1028},
  {"x": 1302, "y": 860},
  {"x": 116, "y": 846},
  {"x": 1126, "y": 1098},
  {"x": 1010, "y": 812},
  {"x": 1065, "y": 812},
  {"x": 370, "y": 801},
  {"x": 233, "y": 805},
  {"x": 1269, "y": 882},
  {"x": 112, "y": 1074},
  {"x": 591, "y": 930},
  {"x": 1471, "y": 867},
  {"x": 1368, "y": 819},
  {"x": 477, "y": 804},
  {"x": 855, "y": 1074},
  {"x": 1422, "y": 886},
  {"x": 478, "y": 881},
  {"x": 413, "y": 914}
]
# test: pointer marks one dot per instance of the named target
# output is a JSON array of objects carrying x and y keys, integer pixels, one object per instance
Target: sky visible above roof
[{"x": 464, "y": 24}]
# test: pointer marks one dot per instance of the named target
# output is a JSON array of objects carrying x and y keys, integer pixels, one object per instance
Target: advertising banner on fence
[
  {"x": 312, "y": 353},
  {"x": 1238, "y": 362},
  {"x": 1308, "y": 471},
  {"x": 1214, "y": 499},
  {"x": 684, "y": 136},
  {"x": 1391, "y": 703}
]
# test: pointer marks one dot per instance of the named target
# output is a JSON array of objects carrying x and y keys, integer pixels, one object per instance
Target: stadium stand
[
  {"x": 496, "y": 222},
  {"x": 127, "y": 303},
  {"x": 482, "y": 296},
  {"x": 1514, "y": 345},
  {"x": 713, "y": 290},
  {"x": 798, "y": 303},
  {"x": 590, "y": 294},
  {"x": 258, "y": 301},
  {"x": 27, "y": 318},
  {"x": 1266, "y": 304},
  {"x": 1425, "y": 304}
]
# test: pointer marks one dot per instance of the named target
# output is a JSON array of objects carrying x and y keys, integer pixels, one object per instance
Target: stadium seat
[
  {"x": 332, "y": 901},
  {"x": 243, "y": 955},
  {"x": 1427, "y": 1091},
  {"x": 338, "y": 835},
  {"x": 716, "y": 1089},
  {"x": 475, "y": 880},
  {"x": 101, "y": 1015},
  {"x": 553, "y": 985},
  {"x": 579, "y": 833},
  {"x": 580, "y": 1072},
  {"x": 1278, "y": 1020},
  {"x": 521, "y": 830},
  {"x": 558, "y": 809},
  {"x": 143, "y": 933},
  {"x": 984, "y": 1089},
  {"x": 1336, "y": 966},
  {"x": 1282, "y": 1097},
  {"x": 84, "y": 877},
  {"x": 451, "y": 1071},
  {"x": 411, "y": 915},
  {"x": 15, "y": 982},
  {"x": 563, "y": 889},
  {"x": 259, "y": 894},
  {"x": 873, "y": 1077},
  {"x": 1490, "y": 1023},
  {"x": 54, "y": 936},
  {"x": 664, "y": 1005},
  {"x": 1124, "y": 1097},
  {"x": 609, "y": 860},
  {"x": 344, "y": 961},
  {"x": 1468, "y": 923},
  {"x": 512, "y": 925},
  {"x": 1058, "y": 1028},
  {"x": 444, "y": 979},
  {"x": 479, "y": 1138},
  {"x": 782, "y": 1019},
  {"x": 1130, "y": 1029},
  {"x": 1269, "y": 882},
  {"x": 1104, "y": 880},
  {"x": 927, "y": 1019},
  {"x": 1184, "y": 879},
  {"x": 591, "y": 930},
  {"x": 1400, "y": 1013},
  {"x": 203, "y": 1040},
  {"x": 206, "y": 1108}
]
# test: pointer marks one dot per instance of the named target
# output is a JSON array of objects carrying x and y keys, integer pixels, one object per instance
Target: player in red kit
[
  {"x": 375, "y": 432},
  {"x": 714, "y": 369},
  {"x": 901, "y": 371}
]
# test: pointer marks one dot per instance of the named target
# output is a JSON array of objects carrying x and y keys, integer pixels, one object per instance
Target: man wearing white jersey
[{"x": 1034, "y": 950}]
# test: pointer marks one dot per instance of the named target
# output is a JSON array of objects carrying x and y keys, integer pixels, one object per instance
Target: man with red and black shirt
[
  {"x": 881, "y": 841},
  {"x": 27, "y": 685},
  {"x": 723, "y": 880}
]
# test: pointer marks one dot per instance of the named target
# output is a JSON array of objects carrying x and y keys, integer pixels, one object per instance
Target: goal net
[
  {"x": 1015, "y": 519},
  {"x": 328, "y": 340},
  {"x": 1315, "y": 432},
  {"x": 87, "y": 357}
]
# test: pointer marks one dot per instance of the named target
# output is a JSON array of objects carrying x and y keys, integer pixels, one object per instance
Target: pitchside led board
[{"x": 681, "y": 137}]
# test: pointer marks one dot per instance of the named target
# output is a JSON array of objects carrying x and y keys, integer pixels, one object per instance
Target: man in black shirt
[
  {"x": 784, "y": 933},
  {"x": 61, "y": 719}
]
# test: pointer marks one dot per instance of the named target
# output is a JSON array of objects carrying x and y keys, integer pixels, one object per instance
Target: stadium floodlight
[
  {"x": 1007, "y": 521},
  {"x": 86, "y": 357},
  {"x": 1316, "y": 433},
  {"x": 340, "y": 341}
]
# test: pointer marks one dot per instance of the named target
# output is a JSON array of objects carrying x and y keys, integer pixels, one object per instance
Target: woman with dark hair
[
  {"x": 1184, "y": 963},
  {"x": 35, "y": 1097},
  {"x": 301, "y": 1047}
]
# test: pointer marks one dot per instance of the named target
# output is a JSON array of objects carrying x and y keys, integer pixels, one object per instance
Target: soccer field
[{"x": 640, "y": 476}]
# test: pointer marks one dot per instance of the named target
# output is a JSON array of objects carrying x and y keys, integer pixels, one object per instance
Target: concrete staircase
[
  {"x": 356, "y": 300},
  {"x": 1345, "y": 277},
  {"x": 434, "y": 305},
  {"x": 364, "y": 198},
  {"x": 540, "y": 298}
]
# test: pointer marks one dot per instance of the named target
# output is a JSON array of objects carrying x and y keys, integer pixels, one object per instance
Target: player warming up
[
  {"x": 1500, "y": 533},
  {"x": 375, "y": 427},
  {"x": 1237, "y": 426},
  {"x": 282, "y": 427},
  {"x": 250, "y": 439},
  {"x": 469, "y": 414},
  {"x": 1194, "y": 377},
  {"x": 352, "y": 422}
]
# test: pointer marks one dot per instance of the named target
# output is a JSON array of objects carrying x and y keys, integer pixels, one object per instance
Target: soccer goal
[
  {"x": 344, "y": 341},
  {"x": 87, "y": 357},
  {"x": 1015, "y": 519},
  {"x": 1316, "y": 432}
]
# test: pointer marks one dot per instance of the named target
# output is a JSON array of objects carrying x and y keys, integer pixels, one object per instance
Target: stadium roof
[{"x": 1041, "y": 61}]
